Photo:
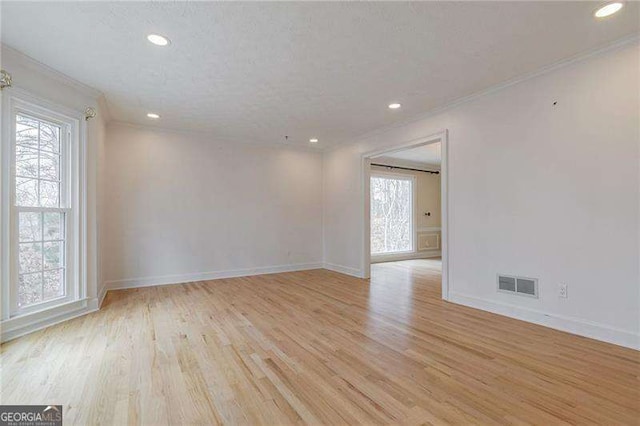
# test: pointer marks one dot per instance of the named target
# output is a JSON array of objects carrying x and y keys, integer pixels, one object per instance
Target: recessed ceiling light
[
  {"x": 153, "y": 115},
  {"x": 158, "y": 39},
  {"x": 313, "y": 140},
  {"x": 608, "y": 9},
  {"x": 394, "y": 106}
]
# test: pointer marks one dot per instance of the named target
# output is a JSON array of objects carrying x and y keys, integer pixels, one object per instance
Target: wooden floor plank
[{"x": 316, "y": 347}]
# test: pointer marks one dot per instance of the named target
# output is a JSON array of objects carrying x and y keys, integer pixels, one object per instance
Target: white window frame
[
  {"x": 414, "y": 205},
  {"x": 72, "y": 190}
]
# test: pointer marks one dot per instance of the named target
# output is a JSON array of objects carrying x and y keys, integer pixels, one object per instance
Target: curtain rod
[{"x": 406, "y": 168}]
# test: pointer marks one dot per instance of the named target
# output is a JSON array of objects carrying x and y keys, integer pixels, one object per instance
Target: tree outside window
[{"x": 391, "y": 214}]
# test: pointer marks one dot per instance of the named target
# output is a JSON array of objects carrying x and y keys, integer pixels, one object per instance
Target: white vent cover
[{"x": 518, "y": 285}]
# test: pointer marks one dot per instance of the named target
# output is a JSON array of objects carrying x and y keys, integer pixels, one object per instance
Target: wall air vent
[
  {"x": 518, "y": 285},
  {"x": 506, "y": 283}
]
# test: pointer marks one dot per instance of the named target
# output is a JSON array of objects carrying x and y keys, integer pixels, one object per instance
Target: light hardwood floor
[{"x": 316, "y": 347}]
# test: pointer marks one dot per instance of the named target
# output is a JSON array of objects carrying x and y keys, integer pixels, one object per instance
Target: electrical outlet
[{"x": 562, "y": 291}]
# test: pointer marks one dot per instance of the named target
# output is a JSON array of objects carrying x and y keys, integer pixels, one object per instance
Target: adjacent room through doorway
[{"x": 405, "y": 210}]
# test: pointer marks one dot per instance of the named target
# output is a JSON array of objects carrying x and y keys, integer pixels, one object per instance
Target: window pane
[
  {"x": 26, "y": 131},
  {"x": 49, "y": 166},
  {"x": 26, "y": 192},
  {"x": 49, "y": 194},
  {"x": 26, "y": 162},
  {"x": 41, "y": 235},
  {"x": 30, "y": 257},
  {"x": 53, "y": 226},
  {"x": 391, "y": 215},
  {"x": 53, "y": 284},
  {"x": 53, "y": 255},
  {"x": 49, "y": 137},
  {"x": 29, "y": 289},
  {"x": 30, "y": 227}
]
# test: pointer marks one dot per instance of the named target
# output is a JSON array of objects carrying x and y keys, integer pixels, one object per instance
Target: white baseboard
[
  {"x": 204, "y": 276},
  {"x": 19, "y": 326},
  {"x": 347, "y": 270},
  {"x": 572, "y": 325}
]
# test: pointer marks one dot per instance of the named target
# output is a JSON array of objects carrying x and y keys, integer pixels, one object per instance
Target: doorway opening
[{"x": 405, "y": 206}]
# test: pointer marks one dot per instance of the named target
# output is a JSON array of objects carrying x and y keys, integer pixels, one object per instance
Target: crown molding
[
  {"x": 615, "y": 45},
  {"x": 52, "y": 73},
  {"x": 209, "y": 136},
  {"x": 96, "y": 94}
]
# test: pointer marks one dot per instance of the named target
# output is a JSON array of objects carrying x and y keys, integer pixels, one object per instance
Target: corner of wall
[
  {"x": 354, "y": 272},
  {"x": 102, "y": 293}
]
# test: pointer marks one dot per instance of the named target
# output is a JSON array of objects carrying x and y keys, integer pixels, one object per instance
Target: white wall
[
  {"x": 535, "y": 189},
  {"x": 180, "y": 207}
]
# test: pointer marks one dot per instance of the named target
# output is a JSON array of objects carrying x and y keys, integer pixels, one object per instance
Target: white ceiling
[
  {"x": 426, "y": 155},
  {"x": 259, "y": 71}
]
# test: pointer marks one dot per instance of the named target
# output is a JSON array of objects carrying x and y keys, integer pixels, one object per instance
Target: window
[
  {"x": 41, "y": 210},
  {"x": 391, "y": 214},
  {"x": 43, "y": 197}
]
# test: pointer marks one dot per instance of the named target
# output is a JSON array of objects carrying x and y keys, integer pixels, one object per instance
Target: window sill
[
  {"x": 43, "y": 306},
  {"x": 26, "y": 323}
]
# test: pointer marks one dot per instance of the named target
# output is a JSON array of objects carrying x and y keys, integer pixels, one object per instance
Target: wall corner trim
[
  {"x": 102, "y": 294},
  {"x": 347, "y": 270},
  {"x": 567, "y": 324}
]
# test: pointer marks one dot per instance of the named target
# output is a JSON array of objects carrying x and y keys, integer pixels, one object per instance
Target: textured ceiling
[{"x": 258, "y": 71}]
